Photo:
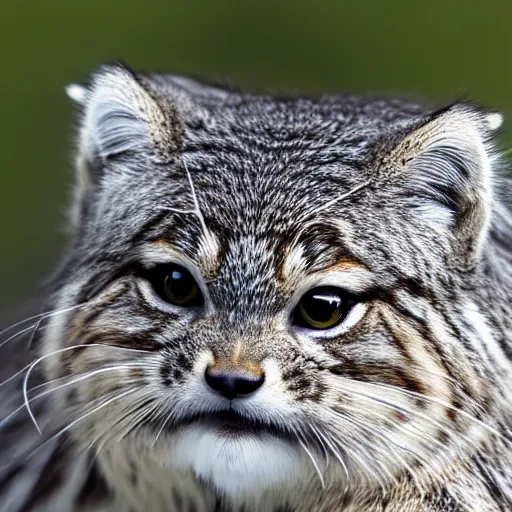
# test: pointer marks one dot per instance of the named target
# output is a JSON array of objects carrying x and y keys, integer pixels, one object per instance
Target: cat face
[{"x": 266, "y": 291}]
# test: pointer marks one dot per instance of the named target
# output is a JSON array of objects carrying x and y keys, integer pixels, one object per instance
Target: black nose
[{"x": 233, "y": 383}]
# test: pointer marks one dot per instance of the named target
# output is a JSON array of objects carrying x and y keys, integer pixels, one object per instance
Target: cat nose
[{"x": 233, "y": 382}]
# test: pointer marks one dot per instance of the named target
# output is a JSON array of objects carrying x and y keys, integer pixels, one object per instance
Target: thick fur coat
[{"x": 403, "y": 406}]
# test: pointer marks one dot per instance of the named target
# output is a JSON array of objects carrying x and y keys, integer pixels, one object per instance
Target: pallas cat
[{"x": 268, "y": 303}]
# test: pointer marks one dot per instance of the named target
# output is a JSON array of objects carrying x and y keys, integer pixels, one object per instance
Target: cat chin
[{"x": 236, "y": 465}]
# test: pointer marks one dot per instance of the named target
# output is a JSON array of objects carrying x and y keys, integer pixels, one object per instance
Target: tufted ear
[
  {"x": 122, "y": 116},
  {"x": 127, "y": 125},
  {"x": 443, "y": 171}
]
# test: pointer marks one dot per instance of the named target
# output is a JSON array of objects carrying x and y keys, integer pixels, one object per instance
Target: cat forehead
[
  {"x": 260, "y": 192},
  {"x": 347, "y": 119},
  {"x": 273, "y": 159},
  {"x": 328, "y": 119},
  {"x": 279, "y": 234}
]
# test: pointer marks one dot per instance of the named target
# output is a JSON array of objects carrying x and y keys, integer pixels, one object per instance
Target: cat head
[{"x": 257, "y": 285}]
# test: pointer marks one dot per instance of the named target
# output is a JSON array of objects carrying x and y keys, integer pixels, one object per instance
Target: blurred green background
[{"x": 437, "y": 49}]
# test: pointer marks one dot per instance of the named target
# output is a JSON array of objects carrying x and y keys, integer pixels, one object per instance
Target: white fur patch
[
  {"x": 494, "y": 120},
  {"x": 76, "y": 92},
  {"x": 236, "y": 465}
]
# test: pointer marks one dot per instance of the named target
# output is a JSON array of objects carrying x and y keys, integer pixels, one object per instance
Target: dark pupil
[
  {"x": 179, "y": 284},
  {"x": 321, "y": 308}
]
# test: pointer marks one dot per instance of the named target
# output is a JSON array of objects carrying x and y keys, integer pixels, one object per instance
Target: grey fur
[{"x": 262, "y": 197}]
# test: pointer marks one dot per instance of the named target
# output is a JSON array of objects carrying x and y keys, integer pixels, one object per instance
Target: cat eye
[
  {"x": 176, "y": 285},
  {"x": 323, "y": 308}
]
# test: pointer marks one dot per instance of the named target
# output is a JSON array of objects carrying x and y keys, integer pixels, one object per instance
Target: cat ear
[
  {"x": 125, "y": 126},
  {"x": 121, "y": 115},
  {"x": 443, "y": 170}
]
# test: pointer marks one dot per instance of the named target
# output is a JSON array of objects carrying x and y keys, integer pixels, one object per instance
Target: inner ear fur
[
  {"x": 442, "y": 168},
  {"x": 122, "y": 114},
  {"x": 125, "y": 126}
]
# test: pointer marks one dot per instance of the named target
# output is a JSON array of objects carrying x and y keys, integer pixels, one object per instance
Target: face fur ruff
[{"x": 271, "y": 304}]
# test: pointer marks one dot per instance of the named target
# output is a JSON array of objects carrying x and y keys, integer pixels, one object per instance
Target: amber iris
[
  {"x": 176, "y": 285},
  {"x": 323, "y": 308}
]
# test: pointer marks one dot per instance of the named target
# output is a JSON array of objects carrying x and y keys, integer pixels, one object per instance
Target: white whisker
[
  {"x": 339, "y": 458},
  {"x": 408, "y": 411},
  {"x": 196, "y": 202},
  {"x": 20, "y": 372},
  {"x": 396, "y": 449},
  {"x": 46, "y": 314},
  {"x": 73, "y": 381},
  {"x": 352, "y": 191},
  {"x": 139, "y": 414},
  {"x": 437, "y": 401},
  {"x": 73, "y": 423},
  {"x": 313, "y": 461},
  {"x": 319, "y": 436},
  {"x": 167, "y": 419},
  {"x": 111, "y": 431},
  {"x": 19, "y": 333},
  {"x": 369, "y": 470},
  {"x": 422, "y": 436},
  {"x": 46, "y": 356}
]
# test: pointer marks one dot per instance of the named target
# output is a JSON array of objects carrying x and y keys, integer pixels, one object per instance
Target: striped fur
[{"x": 404, "y": 407}]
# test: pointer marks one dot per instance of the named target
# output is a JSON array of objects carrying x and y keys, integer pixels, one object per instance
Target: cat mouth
[{"x": 230, "y": 423}]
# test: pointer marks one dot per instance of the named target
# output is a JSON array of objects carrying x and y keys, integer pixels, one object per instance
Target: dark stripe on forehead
[
  {"x": 321, "y": 246},
  {"x": 151, "y": 230}
]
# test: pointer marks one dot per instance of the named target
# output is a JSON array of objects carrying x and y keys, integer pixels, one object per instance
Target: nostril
[
  {"x": 233, "y": 383},
  {"x": 246, "y": 385}
]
